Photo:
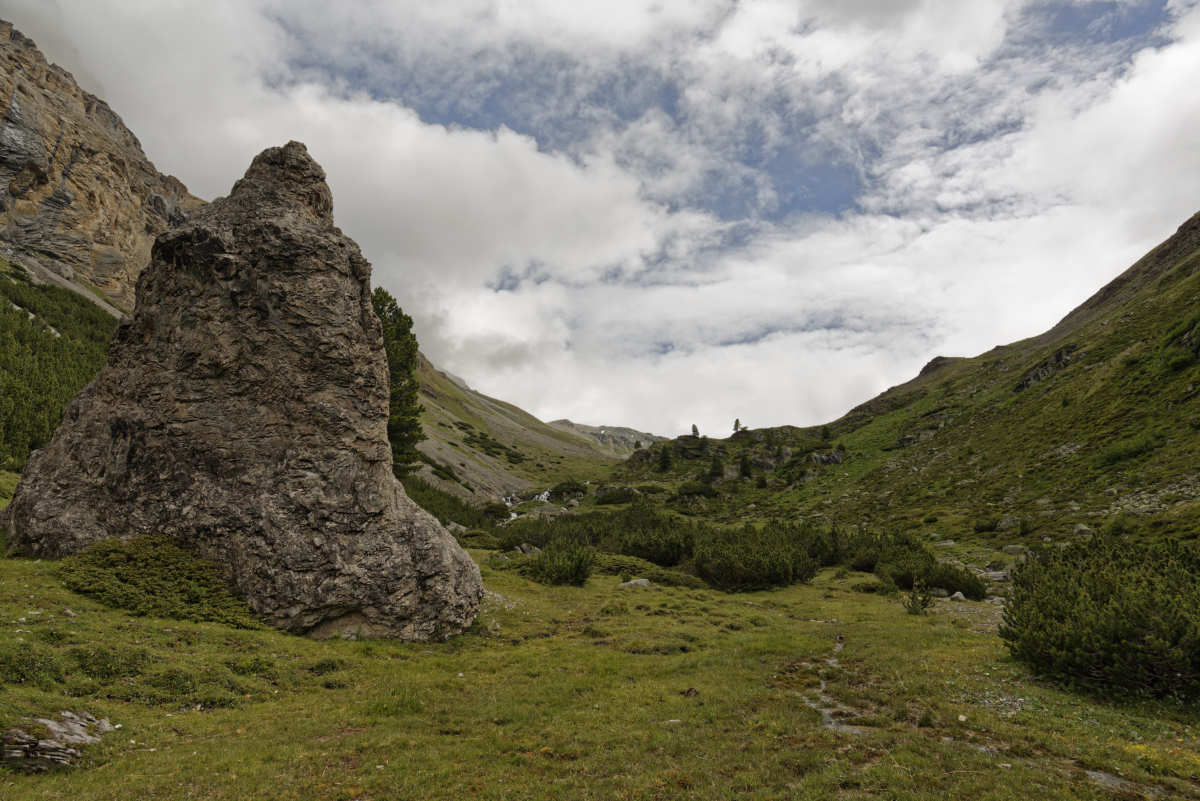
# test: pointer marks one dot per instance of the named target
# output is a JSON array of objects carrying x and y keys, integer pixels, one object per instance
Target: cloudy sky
[{"x": 655, "y": 214}]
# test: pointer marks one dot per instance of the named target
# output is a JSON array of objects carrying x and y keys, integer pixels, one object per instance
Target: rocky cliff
[
  {"x": 75, "y": 185},
  {"x": 243, "y": 409}
]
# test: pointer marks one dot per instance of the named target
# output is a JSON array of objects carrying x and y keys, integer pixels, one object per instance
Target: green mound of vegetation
[
  {"x": 568, "y": 487},
  {"x": 619, "y": 495},
  {"x": 156, "y": 577},
  {"x": 562, "y": 562},
  {"x": 747, "y": 558},
  {"x": 44, "y": 361},
  {"x": 477, "y": 538},
  {"x": 1110, "y": 614}
]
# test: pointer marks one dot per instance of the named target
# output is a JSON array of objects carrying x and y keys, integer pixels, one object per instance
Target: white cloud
[{"x": 602, "y": 235}]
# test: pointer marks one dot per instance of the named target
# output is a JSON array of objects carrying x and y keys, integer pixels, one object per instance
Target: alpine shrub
[
  {"x": 563, "y": 563},
  {"x": 1109, "y": 614},
  {"x": 618, "y": 495},
  {"x": 696, "y": 488},
  {"x": 953, "y": 578},
  {"x": 748, "y": 558},
  {"x": 155, "y": 576},
  {"x": 1131, "y": 447},
  {"x": 919, "y": 600},
  {"x": 568, "y": 487}
]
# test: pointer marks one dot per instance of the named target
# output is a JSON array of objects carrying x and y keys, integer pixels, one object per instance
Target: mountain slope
[
  {"x": 1095, "y": 416},
  {"x": 492, "y": 447},
  {"x": 75, "y": 186},
  {"x": 614, "y": 440}
]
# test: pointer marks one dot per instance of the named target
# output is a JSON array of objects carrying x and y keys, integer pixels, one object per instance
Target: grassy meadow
[{"x": 581, "y": 692}]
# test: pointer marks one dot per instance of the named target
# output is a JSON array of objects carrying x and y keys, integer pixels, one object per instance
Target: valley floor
[{"x": 814, "y": 691}]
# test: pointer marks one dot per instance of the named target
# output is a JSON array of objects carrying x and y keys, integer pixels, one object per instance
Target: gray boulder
[{"x": 243, "y": 410}]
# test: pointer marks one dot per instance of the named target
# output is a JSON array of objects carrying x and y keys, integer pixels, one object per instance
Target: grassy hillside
[
  {"x": 481, "y": 448},
  {"x": 1017, "y": 445}
]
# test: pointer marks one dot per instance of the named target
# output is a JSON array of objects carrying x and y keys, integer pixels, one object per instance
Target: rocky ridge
[
  {"x": 613, "y": 440},
  {"x": 243, "y": 410},
  {"x": 75, "y": 186}
]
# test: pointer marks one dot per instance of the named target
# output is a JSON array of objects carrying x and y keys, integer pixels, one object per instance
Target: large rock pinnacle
[{"x": 243, "y": 410}]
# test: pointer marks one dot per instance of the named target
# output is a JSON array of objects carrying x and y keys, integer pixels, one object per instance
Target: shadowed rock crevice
[{"x": 243, "y": 410}]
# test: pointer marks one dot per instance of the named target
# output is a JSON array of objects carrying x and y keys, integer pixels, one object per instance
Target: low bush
[
  {"x": 476, "y": 538},
  {"x": 696, "y": 488},
  {"x": 748, "y": 558},
  {"x": 569, "y": 487},
  {"x": 563, "y": 563},
  {"x": 619, "y": 565},
  {"x": 1176, "y": 359},
  {"x": 1131, "y": 447},
  {"x": 156, "y": 576},
  {"x": 651, "y": 489},
  {"x": 1107, "y": 613},
  {"x": 986, "y": 525},
  {"x": 618, "y": 495},
  {"x": 953, "y": 578}
]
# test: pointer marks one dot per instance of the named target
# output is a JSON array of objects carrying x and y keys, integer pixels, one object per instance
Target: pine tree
[
  {"x": 737, "y": 426},
  {"x": 744, "y": 466},
  {"x": 664, "y": 458},
  {"x": 695, "y": 431},
  {"x": 404, "y": 406},
  {"x": 716, "y": 469}
]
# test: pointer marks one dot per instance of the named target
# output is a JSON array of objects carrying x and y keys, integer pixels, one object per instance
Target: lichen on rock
[{"x": 243, "y": 410}]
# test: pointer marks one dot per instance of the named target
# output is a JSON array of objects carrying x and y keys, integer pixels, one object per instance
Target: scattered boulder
[
  {"x": 25, "y": 751},
  {"x": 635, "y": 584},
  {"x": 243, "y": 410},
  {"x": 945, "y": 544},
  {"x": 938, "y": 592},
  {"x": 527, "y": 549},
  {"x": 958, "y": 596},
  {"x": 828, "y": 458},
  {"x": 1013, "y": 550},
  {"x": 1082, "y": 531}
]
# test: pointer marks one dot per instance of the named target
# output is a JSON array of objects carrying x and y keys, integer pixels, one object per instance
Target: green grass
[{"x": 572, "y": 692}]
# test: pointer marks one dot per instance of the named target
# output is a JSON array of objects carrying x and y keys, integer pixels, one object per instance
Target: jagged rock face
[
  {"x": 243, "y": 410},
  {"x": 74, "y": 182}
]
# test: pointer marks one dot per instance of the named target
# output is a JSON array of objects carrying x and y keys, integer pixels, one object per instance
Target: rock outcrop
[
  {"x": 243, "y": 410},
  {"x": 74, "y": 183}
]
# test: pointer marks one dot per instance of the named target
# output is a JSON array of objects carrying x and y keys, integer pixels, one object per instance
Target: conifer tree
[
  {"x": 695, "y": 431},
  {"x": 664, "y": 458},
  {"x": 404, "y": 406},
  {"x": 716, "y": 469},
  {"x": 737, "y": 426}
]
